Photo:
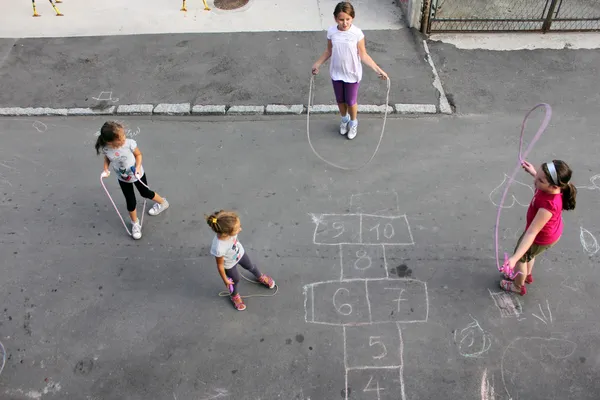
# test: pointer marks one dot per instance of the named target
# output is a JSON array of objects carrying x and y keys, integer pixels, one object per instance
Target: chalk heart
[{"x": 518, "y": 193}]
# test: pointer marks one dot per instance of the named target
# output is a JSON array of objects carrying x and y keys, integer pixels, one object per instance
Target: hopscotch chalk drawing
[
  {"x": 509, "y": 306},
  {"x": 588, "y": 241},
  {"x": 106, "y": 96},
  {"x": 368, "y": 304},
  {"x": 525, "y": 194},
  {"x": 472, "y": 341},
  {"x": 487, "y": 387}
]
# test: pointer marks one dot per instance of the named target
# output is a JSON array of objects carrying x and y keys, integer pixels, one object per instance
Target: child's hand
[
  {"x": 530, "y": 169},
  {"x": 105, "y": 173},
  {"x": 228, "y": 282},
  {"x": 382, "y": 74},
  {"x": 315, "y": 69}
]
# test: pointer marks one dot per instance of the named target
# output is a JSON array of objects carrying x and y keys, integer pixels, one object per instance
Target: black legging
[
  {"x": 247, "y": 264},
  {"x": 127, "y": 188}
]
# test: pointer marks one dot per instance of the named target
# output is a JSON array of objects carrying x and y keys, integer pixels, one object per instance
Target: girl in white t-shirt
[
  {"x": 125, "y": 158},
  {"x": 346, "y": 47},
  {"x": 229, "y": 252}
]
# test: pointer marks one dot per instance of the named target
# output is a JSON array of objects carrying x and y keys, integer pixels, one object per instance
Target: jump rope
[
  {"x": 310, "y": 102},
  {"x": 505, "y": 268},
  {"x": 221, "y": 294},
  {"x": 105, "y": 175},
  {"x": 3, "y": 357}
]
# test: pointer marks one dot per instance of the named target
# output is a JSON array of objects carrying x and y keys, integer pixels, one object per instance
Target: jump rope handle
[
  {"x": 134, "y": 172},
  {"x": 230, "y": 288},
  {"x": 103, "y": 175}
]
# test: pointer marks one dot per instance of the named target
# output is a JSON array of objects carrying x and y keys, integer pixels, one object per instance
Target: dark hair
[
  {"x": 563, "y": 175},
  {"x": 343, "y": 7},
  {"x": 222, "y": 222},
  {"x": 108, "y": 133}
]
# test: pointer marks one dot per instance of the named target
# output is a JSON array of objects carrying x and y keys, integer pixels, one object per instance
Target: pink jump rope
[
  {"x": 104, "y": 175},
  {"x": 505, "y": 268}
]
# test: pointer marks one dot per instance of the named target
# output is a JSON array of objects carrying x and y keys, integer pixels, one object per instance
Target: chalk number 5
[{"x": 376, "y": 341}]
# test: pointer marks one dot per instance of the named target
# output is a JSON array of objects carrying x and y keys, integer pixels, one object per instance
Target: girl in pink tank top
[{"x": 553, "y": 193}]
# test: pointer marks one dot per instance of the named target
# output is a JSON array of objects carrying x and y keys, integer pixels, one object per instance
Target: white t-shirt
[
  {"x": 345, "y": 63},
  {"x": 230, "y": 249},
  {"x": 122, "y": 159}
]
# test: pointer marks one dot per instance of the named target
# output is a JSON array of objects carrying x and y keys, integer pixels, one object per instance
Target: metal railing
[{"x": 510, "y": 15}]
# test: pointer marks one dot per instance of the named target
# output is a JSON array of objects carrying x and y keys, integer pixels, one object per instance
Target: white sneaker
[
  {"x": 157, "y": 208},
  {"x": 353, "y": 131},
  {"x": 136, "y": 230},
  {"x": 344, "y": 127}
]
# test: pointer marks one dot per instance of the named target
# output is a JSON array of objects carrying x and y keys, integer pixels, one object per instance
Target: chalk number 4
[{"x": 376, "y": 387}]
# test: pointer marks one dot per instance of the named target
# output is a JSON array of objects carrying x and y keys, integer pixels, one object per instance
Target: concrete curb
[{"x": 206, "y": 110}]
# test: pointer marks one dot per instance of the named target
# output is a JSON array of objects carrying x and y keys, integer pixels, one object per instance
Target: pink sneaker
[
  {"x": 511, "y": 287},
  {"x": 267, "y": 281},
  {"x": 238, "y": 303}
]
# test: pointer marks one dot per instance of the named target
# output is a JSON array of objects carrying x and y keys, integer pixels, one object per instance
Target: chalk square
[
  {"x": 373, "y": 346},
  {"x": 336, "y": 229},
  {"x": 375, "y": 384},
  {"x": 386, "y": 230},
  {"x": 376, "y": 203},
  {"x": 338, "y": 303},
  {"x": 360, "y": 261},
  {"x": 398, "y": 300}
]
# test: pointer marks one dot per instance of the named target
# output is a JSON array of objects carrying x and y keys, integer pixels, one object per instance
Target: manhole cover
[{"x": 230, "y": 4}]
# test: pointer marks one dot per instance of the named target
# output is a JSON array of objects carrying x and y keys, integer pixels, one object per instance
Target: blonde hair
[{"x": 222, "y": 222}]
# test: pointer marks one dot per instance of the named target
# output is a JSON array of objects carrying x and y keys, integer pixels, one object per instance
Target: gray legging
[{"x": 235, "y": 275}]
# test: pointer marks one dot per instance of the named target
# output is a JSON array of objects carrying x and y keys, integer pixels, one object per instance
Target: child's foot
[
  {"x": 528, "y": 278},
  {"x": 267, "y": 281},
  {"x": 344, "y": 127},
  {"x": 353, "y": 131},
  {"x": 511, "y": 287},
  {"x": 136, "y": 230},
  {"x": 238, "y": 303},
  {"x": 157, "y": 208}
]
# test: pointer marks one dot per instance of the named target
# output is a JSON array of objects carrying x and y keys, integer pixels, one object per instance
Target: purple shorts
[{"x": 346, "y": 92}]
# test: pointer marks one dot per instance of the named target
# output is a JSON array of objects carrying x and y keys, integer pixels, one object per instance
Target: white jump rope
[
  {"x": 139, "y": 178},
  {"x": 221, "y": 294},
  {"x": 310, "y": 102},
  {"x": 3, "y": 357}
]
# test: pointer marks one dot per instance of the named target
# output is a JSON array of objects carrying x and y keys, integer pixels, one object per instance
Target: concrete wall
[{"x": 412, "y": 10}]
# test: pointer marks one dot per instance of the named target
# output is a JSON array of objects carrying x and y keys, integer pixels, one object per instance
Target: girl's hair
[
  {"x": 343, "y": 7},
  {"x": 222, "y": 222},
  {"x": 108, "y": 133},
  {"x": 563, "y": 174}
]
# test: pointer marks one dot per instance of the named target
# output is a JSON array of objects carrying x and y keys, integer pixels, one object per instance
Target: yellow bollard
[
  {"x": 35, "y": 13},
  {"x": 58, "y": 14},
  {"x": 206, "y": 7}
]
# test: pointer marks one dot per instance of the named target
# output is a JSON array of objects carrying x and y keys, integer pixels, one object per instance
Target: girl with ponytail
[{"x": 554, "y": 193}]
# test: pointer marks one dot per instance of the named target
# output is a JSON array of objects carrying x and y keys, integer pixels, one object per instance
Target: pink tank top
[{"x": 551, "y": 232}]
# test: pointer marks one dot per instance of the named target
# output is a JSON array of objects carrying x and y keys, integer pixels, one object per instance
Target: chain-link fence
[{"x": 511, "y": 15}]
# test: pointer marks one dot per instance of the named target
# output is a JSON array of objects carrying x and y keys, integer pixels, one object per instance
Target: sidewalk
[
  {"x": 136, "y": 17},
  {"x": 255, "y": 68}
]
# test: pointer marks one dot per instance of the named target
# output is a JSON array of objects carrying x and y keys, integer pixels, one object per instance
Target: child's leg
[
  {"x": 248, "y": 265},
  {"x": 351, "y": 98},
  {"x": 234, "y": 275},
  {"x": 338, "y": 90},
  {"x": 162, "y": 204},
  {"x": 530, "y": 266},
  {"x": 129, "y": 194},
  {"x": 521, "y": 271}
]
